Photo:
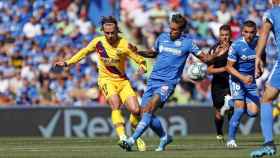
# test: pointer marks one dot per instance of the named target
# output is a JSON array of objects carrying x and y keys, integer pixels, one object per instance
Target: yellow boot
[
  {"x": 276, "y": 111},
  {"x": 141, "y": 144},
  {"x": 134, "y": 120}
]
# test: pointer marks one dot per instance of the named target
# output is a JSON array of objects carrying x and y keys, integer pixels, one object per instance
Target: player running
[
  {"x": 171, "y": 50},
  {"x": 220, "y": 86},
  {"x": 113, "y": 51},
  {"x": 271, "y": 22},
  {"x": 241, "y": 66}
]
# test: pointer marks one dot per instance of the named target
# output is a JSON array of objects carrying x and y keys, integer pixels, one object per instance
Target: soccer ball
[{"x": 197, "y": 71}]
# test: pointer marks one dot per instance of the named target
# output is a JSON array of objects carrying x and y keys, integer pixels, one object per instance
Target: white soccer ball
[{"x": 197, "y": 71}]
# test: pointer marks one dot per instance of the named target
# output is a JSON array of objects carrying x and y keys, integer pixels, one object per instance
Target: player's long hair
[
  {"x": 109, "y": 20},
  {"x": 179, "y": 19}
]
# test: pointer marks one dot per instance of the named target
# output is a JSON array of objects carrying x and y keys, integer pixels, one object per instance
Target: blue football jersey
[
  {"x": 172, "y": 56},
  {"x": 243, "y": 54},
  {"x": 273, "y": 16}
]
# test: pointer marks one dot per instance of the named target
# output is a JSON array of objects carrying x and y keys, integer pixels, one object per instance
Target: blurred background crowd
[{"x": 36, "y": 33}]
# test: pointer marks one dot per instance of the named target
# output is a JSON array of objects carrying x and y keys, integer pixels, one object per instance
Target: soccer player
[
  {"x": 113, "y": 50},
  {"x": 271, "y": 22},
  {"x": 220, "y": 86},
  {"x": 171, "y": 50},
  {"x": 241, "y": 67}
]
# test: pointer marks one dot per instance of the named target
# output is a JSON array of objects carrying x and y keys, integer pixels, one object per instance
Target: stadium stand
[{"x": 36, "y": 33}]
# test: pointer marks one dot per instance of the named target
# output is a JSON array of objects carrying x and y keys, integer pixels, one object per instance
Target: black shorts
[{"x": 218, "y": 95}]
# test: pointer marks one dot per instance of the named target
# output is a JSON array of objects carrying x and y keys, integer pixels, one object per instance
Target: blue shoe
[
  {"x": 125, "y": 145},
  {"x": 267, "y": 149},
  {"x": 164, "y": 142}
]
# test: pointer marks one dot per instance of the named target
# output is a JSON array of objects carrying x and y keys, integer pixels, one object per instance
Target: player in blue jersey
[
  {"x": 271, "y": 22},
  {"x": 241, "y": 67},
  {"x": 171, "y": 51}
]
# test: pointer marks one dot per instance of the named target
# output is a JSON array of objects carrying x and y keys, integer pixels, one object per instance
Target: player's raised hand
[
  {"x": 222, "y": 49},
  {"x": 58, "y": 66},
  {"x": 247, "y": 79},
  {"x": 259, "y": 67}
]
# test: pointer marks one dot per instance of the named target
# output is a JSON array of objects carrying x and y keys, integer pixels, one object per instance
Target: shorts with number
[
  {"x": 111, "y": 87},
  {"x": 247, "y": 94},
  {"x": 161, "y": 88}
]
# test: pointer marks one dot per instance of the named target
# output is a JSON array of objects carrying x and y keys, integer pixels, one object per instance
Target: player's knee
[
  {"x": 135, "y": 110},
  {"x": 267, "y": 100},
  {"x": 218, "y": 115},
  {"x": 252, "y": 113},
  {"x": 146, "y": 109},
  {"x": 268, "y": 96}
]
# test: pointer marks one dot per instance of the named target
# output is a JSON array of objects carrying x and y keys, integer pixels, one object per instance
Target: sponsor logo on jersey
[
  {"x": 178, "y": 43},
  {"x": 249, "y": 57},
  {"x": 173, "y": 51}
]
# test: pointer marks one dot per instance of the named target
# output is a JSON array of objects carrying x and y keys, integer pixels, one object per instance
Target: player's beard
[
  {"x": 174, "y": 37},
  {"x": 112, "y": 40}
]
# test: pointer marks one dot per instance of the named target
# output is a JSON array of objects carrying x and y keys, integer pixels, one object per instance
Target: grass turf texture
[{"x": 194, "y": 146}]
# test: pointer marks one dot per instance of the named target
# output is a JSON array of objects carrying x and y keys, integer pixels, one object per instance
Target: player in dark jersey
[{"x": 220, "y": 83}]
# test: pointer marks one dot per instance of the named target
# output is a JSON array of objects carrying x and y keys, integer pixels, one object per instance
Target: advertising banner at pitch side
[{"x": 95, "y": 121}]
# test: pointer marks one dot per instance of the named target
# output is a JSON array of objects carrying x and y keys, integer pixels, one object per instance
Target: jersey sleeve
[
  {"x": 137, "y": 58},
  {"x": 194, "y": 49},
  {"x": 156, "y": 44},
  {"x": 83, "y": 52},
  {"x": 232, "y": 53},
  {"x": 267, "y": 16}
]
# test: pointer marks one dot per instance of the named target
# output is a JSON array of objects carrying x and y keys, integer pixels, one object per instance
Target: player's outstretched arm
[
  {"x": 58, "y": 66},
  {"x": 212, "y": 70},
  {"x": 148, "y": 53},
  {"x": 208, "y": 58}
]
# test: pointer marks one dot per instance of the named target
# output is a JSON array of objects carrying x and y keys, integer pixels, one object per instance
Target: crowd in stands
[{"x": 36, "y": 33}]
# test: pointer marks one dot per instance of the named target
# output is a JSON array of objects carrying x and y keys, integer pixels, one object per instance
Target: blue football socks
[
  {"x": 234, "y": 122},
  {"x": 267, "y": 122}
]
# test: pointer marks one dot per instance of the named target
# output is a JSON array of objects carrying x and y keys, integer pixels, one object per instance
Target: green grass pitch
[{"x": 193, "y": 146}]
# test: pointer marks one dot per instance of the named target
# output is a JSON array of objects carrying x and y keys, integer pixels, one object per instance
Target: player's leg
[
  {"x": 271, "y": 91},
  {"x": 149, "y": 119},
  {"x": 228, "y": 105},
  {"x": 252, "y": 109},
  {"x": 155, "y": 124},
  {"x": 116, "y": 116},
  {"x": 111, "y": 93},
  {"x": 252, "y": 102},
  {"x": 217, "y": 96},
  {"x": 165, "y": 139},
  {"x": 129, "y": 97},
  {"x": 147, "y": 115},
  {"x": 268, "y": 148},
  {"x": 154, "y": 97},
  {"x": 234, "y": 123}
]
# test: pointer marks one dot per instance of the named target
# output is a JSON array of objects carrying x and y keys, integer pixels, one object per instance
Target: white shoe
[
  {"x": 226, "y": 106},
  {"x": 231, "y": 144},
  {"x": 220, "y": 138}
]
